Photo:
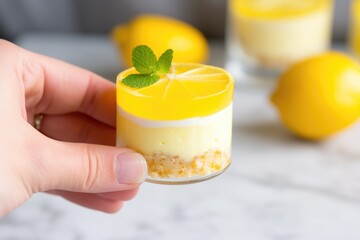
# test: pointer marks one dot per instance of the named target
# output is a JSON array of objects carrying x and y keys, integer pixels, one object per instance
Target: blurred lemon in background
[
  {"x": 319, "y": 96},
  {"x": 161, "y": 33}
]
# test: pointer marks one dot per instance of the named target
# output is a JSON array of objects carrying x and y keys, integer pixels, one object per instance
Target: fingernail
[{"x": 130, "y": 167}]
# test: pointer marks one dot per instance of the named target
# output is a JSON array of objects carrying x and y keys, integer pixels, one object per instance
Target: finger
[
  {"x": 120, "y": 196},
  {"x": 88, "y": 168},
  {"x": 11, "y": 94},
  {"x": 77, "y": 127},
  {"x": 92, "y": 201},
  {"x": 125, "y": 195},
  {"x": 63, "y": 88}
]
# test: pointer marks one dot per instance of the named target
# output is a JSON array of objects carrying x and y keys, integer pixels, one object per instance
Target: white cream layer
[
  {"x": 186, "y": 138},
  {"x": 196, "y": 121}
]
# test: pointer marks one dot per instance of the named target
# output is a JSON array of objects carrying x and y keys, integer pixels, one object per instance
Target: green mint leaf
[
  {"x": 149, "y": 68},
  {"x": 165, "y": 61},
  {"x": 140, "y": 80},
  {"x": 144, "y": 60}
]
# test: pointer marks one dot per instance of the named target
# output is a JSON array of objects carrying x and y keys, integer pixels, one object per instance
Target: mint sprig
[
  {"x": 140, "y": 80},
  {"x": 165, "y": 61},
  {"x": 149, "y": 68}
]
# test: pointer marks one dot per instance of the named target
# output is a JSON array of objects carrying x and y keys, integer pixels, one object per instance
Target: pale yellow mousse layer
[
  {"x": 179, "y": 148},
  {"x": 276, "y": 33}
]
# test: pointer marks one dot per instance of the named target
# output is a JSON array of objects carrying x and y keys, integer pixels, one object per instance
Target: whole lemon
[
  {"x": 319, "y": 96},
  {"x": 161, "y": 33}
]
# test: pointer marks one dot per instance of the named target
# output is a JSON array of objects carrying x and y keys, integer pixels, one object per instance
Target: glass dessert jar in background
[
  {"x": 354, "y": 28},
  {"x": 264, "y": 36},
  {"x": 181, "y": 124}
]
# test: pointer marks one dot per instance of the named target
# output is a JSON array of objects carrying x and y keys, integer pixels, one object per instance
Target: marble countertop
[{"x": 278, "y": 187}]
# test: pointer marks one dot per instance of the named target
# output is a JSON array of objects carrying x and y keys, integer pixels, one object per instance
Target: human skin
[{"x": 73, "y": 153}]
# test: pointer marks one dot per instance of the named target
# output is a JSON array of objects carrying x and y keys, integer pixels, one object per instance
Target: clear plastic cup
[
  {"x": 354, "y": 28},
  {"x": 264, "y": 37},
  {"x": 182, "y": 124}
]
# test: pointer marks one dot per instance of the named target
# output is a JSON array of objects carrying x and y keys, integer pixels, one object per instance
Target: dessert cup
[
  {"x": 265, "y": 36},
  {"x": 182, "y": 124},
  {"x": 354, "y": 28}
]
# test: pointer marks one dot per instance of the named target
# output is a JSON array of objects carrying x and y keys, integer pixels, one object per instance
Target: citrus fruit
[
  {"x": 161, "y": 33},
  {"x": 188, "y": 90},
  {"x": 319, "y": 96}
]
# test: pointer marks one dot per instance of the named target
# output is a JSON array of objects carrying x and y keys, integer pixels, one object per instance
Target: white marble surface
[{"x": 278, "y": 187}]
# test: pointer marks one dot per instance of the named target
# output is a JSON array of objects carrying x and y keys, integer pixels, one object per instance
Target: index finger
[{"x": 68, "y": 88}]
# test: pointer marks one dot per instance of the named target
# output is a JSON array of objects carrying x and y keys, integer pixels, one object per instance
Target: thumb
[{"x": 90, "y": 168}]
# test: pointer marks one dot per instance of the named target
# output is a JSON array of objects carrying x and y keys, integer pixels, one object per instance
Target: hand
[{"x": 68, "y": 156}]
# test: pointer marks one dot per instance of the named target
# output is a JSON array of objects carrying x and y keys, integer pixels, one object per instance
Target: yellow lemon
[
  {"x": 161, "y": 33},
  {"x": 188, "y": 90},
  {"x": 319, "y": 96}
]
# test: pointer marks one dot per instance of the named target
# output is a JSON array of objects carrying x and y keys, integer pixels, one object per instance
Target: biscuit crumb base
[{"x": 162, "y": 165}]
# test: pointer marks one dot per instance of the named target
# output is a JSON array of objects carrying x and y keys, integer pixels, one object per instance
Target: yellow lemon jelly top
[
  {"x": 276, "y": 9},
  {"x": 188, "y": 90}
]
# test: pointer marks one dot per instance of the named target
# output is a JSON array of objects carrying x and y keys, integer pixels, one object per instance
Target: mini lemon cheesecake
[
  {"x": 354, "y": 31},
  {"x": 182, "y": 124},
  {"x": 275, "y": 33}
]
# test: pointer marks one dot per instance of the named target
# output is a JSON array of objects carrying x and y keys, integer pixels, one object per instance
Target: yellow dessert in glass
[
  {"x": 265, "y": 36},
  {"x": 181, "y": 124},
  {"x": 354, "y": 31}
]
